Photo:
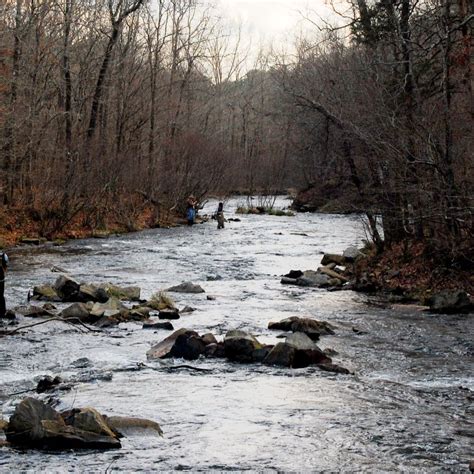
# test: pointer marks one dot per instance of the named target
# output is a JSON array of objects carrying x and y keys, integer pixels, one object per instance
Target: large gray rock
[
  {"x": 163, "y": 349},
  {"x": 351, "y": 253},
  {"x": 35, "y": 424},
  {"x": 450, "y": 302},
  {"x": 311, "y": 327},
  {"x": 282, "y": 354},
  {"x": 77, "y": 310},
  {"x": 240, "y": 346},
  {"x": 297, "y": 351},
  {"x": 186, "y": 287},
  {"x": 67, "y": 288}
]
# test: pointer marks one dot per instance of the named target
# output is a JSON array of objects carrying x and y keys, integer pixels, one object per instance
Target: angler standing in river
[
  {"x": 3, "y": 270},
  {"x": 220, "y": 216},
  {"x": 191, "y": 210}
]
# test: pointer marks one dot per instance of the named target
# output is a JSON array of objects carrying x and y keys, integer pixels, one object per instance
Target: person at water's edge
[
  {"x": 3, "y": 270},
  {"x": 220, "y": 216},
  {"x": 191, "y": 210}
]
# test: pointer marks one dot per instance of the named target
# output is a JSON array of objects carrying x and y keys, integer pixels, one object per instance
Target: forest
[{"x": 113, "y": 112}]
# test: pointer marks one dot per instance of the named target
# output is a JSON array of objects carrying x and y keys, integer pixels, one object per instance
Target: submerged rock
[{"x": 186, "y": 287}]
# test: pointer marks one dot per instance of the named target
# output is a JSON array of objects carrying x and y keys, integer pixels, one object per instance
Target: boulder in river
[
  {"x": 37, "y": 425},
  {"x": 297, "y": 351},
  {"x": 163, "y": 349},
  {"x": 333, "y": 258},
  {"x": 215, "y": 350},
  {"x": 188, "y": 346},
  {"x": 240, "y": 346},
  {"x": 186, "y": 287},
  {"x": 209, "y": 338},
  {"x": 351, "y": 253},
  {"x": 48, "y": 383},
  {"x": 450, "y": 302},
  {"x": 78, "y": 311},
  {"x": 309, "y": 278},
  {"x": 93, "y": 293},
  {"x": 45, "y": 293},
  {"x": 311, "y": 327},
  {"x": 67, "y": 288}
]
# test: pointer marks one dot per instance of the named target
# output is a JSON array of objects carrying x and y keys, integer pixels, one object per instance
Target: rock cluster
[
  {"x": 102, "y": 305},
  {"x": 298, "y": 350},
  {"x": 36, "y": 425}
]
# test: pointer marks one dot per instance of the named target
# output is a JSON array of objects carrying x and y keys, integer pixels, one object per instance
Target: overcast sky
[{"x": 272, "y": 21}]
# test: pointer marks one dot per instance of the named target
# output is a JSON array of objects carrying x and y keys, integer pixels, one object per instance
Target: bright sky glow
[{"x": 275, "y": 22}]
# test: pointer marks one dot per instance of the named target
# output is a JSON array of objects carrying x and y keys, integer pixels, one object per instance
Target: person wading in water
[
  {"x": 220, "y": 216},
  {"x": 3, "y": 270},
  {"x": 191, "y": 210}
]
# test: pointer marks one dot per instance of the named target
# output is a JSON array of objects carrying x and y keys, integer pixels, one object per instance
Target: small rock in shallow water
[
  {"x": 186, "y": 287},
  {"x": 168, "y": 314},
  {"x": 159, "y": 325},
  {"x": 47, "y": 383}
]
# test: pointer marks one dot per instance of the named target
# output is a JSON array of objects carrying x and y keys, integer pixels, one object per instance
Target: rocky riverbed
[{"x": 405, "y": 405}]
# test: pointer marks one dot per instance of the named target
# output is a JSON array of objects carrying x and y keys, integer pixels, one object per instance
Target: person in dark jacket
[
  {"x": 220, "y": 216},
  {"x": 3, "y": 270}
]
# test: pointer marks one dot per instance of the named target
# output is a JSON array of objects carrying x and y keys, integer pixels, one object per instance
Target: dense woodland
[{"x": 112, "y": 107}]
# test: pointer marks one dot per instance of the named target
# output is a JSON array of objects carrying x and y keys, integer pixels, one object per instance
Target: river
[{"x": 406, "y": 408}]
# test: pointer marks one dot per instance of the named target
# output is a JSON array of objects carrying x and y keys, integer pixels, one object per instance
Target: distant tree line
[
  {"x": 108, "y": 106},
  {"x": 385, "y": 106}
]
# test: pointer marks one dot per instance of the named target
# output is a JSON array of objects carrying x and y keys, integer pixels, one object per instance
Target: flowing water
[{"x": 407, "y": 408}]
